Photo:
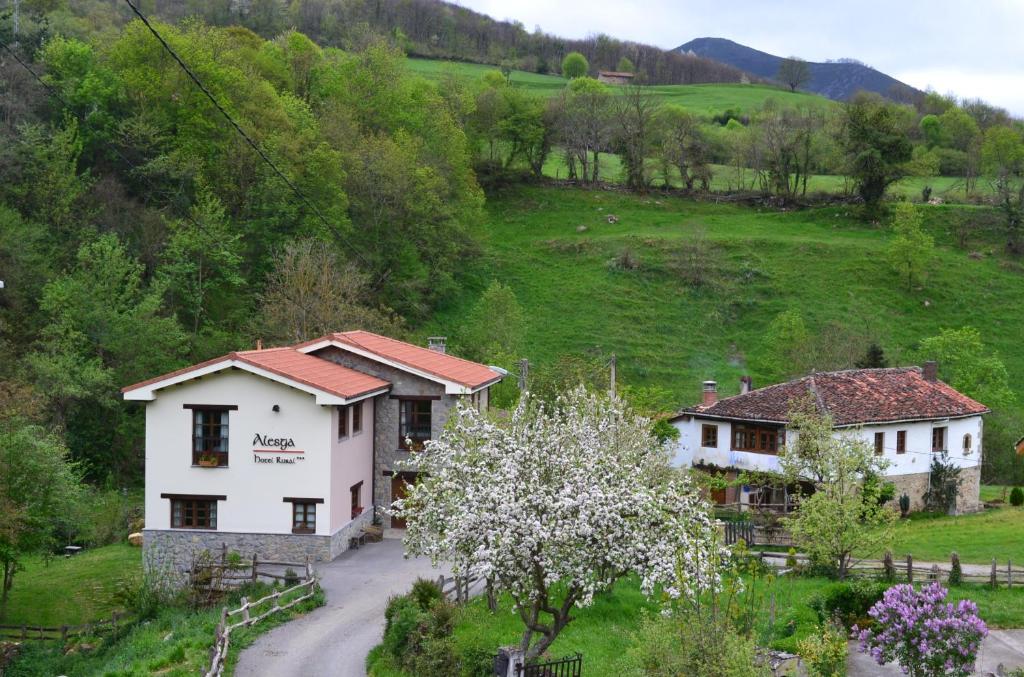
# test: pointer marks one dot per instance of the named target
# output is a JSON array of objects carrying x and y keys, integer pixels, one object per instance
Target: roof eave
[
  {"x": 147, "y": 392},
  {"x": 451, "y": 387}
]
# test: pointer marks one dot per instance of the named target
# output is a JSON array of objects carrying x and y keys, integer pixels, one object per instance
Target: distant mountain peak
[{"x": 837, "y": 79}]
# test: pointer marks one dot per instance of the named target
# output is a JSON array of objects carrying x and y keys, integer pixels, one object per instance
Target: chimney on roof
[
  {"x": 710, "y": 393},
  {"x": 930, "y": 370},
  {"x": 746, "y": 384},
  {"x": 437, "y": 343},
  {"x": 259, "y": 344}
]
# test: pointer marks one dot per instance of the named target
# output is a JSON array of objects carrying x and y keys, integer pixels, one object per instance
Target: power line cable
[{"x": 227, "y": 116}]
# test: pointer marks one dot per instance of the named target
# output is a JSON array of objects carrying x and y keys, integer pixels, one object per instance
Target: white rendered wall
[
  {"x": 690, "y": 452},
  {"x": 351, "y": 462},
  {"x": 254, "y": 490}
]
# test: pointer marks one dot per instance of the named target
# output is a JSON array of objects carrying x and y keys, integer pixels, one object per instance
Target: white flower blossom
[{"x": 555, "y": 504}]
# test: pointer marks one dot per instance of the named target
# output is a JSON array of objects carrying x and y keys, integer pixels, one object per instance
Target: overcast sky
[{"x": 974, "y": 48}]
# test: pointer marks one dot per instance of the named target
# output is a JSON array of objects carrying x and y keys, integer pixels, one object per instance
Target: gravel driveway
[{"x": 334, "y": 639}]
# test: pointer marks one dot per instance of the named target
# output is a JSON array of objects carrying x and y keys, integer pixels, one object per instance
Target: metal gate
[{"x": 570, "y": 666}]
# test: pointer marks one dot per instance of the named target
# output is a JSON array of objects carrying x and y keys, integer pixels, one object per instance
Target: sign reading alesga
[{"x": 282, "y": 447}]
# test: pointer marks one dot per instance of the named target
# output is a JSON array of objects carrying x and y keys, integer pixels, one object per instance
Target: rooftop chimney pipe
[
  {"x": 437, "y": 343},
  {"x": 746, "y": 384},
  {"x": 930, "y": 370},
  {"x": 710, "y": 393}
]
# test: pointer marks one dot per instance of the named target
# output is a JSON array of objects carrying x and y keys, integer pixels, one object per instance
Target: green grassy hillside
[
  {"x": 704, "y": 99},
  {"x": 709, "y": 278}
]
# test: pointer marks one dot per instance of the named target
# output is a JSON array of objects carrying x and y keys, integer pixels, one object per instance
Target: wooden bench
[{"x": 357, "y": 541}]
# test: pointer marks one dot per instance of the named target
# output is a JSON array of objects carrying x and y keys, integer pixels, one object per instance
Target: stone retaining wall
[{"x": 172, "y": 550}]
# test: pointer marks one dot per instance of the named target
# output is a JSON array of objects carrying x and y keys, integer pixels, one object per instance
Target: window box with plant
[{"x": 208, "y": 461}]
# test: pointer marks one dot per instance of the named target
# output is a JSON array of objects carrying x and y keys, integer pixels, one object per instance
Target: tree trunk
[{"x": 5, "y": 587}]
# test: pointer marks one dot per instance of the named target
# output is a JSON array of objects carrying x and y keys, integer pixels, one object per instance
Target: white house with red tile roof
[
  {"x": 907, "y": 414},
  {"x": 289, "y": 452}
]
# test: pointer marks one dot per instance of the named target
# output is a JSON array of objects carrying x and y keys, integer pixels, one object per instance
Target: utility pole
[
  {"x": 611, "y": 377},
  {"x": 524, "y": 368},
  {"x": 17, "y": 5}
]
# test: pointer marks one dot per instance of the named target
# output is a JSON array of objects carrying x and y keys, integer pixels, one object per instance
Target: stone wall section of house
[
  {"x": 172, "y": 552},
  {"x": 388, "y": 456},
  {"x": 339, "y": 539},
  {"x": 916, "y": 485},
  {"x": 969, "y": 497}
]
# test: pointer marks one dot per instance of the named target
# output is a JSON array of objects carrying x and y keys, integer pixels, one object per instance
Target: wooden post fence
[
  {"x": 910, "y": 568},
  {"x": 994, "y": 577}
]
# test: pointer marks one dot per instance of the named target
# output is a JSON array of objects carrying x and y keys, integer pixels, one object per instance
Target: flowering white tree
[{"x": 555, "y": 504}]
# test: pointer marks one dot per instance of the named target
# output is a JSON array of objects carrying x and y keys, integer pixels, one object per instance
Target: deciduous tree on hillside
[
  {"x": 585, "y": 120},
  {"x": 966, "y": 364},
  {"x": 635, "y": 109},
  {"x": 1002, "y": 155},
  {"x": 911, "y": 250},
  {"x": 683, "y": 146},
  {"x": 554, "y": 505},
  {"x": 311, "y": 293},
  {"x": 794, "y": 72},
  {"x": 875, "y": 141},
  {"x": 575, "y": 65}
]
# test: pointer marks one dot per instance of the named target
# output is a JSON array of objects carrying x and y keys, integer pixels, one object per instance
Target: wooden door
[{"x": 399, "y": 482}]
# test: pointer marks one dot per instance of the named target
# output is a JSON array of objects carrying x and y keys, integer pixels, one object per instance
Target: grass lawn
[
  {"x": 703, "y": 99},
  {"x": 994, "y": 492},
  {"x": 671, "y": 330},
  {"x": 604, "y": 632},
  {"x": 73, "y": 590},
  {"x": 976, "y": 538},
  {"x": 176, "y": 643}
]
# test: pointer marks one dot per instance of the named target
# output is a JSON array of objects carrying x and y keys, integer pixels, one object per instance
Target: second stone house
[{"x": 906, "y": 414}]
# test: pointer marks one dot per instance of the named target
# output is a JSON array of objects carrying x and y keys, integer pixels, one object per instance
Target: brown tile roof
[
  {"x": 444, "y": 366},
  {"x": 313, "y": 371},
  {"x": 851, "y": 397}
]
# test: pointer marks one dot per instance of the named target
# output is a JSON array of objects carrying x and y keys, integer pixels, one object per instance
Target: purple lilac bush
[{"x": 927, "y": 636}]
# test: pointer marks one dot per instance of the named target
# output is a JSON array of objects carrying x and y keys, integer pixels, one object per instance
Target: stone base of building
[
  {"x": 915, "y": 486},
  {"x": 172, "y": 551}
]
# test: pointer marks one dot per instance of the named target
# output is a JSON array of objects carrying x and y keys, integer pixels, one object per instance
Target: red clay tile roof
[
  {"x": 851, "y": 397},
  {"x": 313, "y": 371},
  {"x": 444, "y": 366}
]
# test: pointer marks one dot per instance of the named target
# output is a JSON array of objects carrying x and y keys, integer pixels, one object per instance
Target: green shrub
[
  {"x": 145, "y": 595},
  {"x": 400, "y": 619},
  {"x": 824, "y": 653},
  {"x": 431, "y": 644},
  {"x": 1017, "y": 497},
  {"x": 692, "y": 644},
  {"x": 421, "y": 640},
  {"x": 847, "y": 603},
  {"x": 956, "y": 573},
  {"x": 426, "y": 593},
  {"x": 904, "y": 505}
]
